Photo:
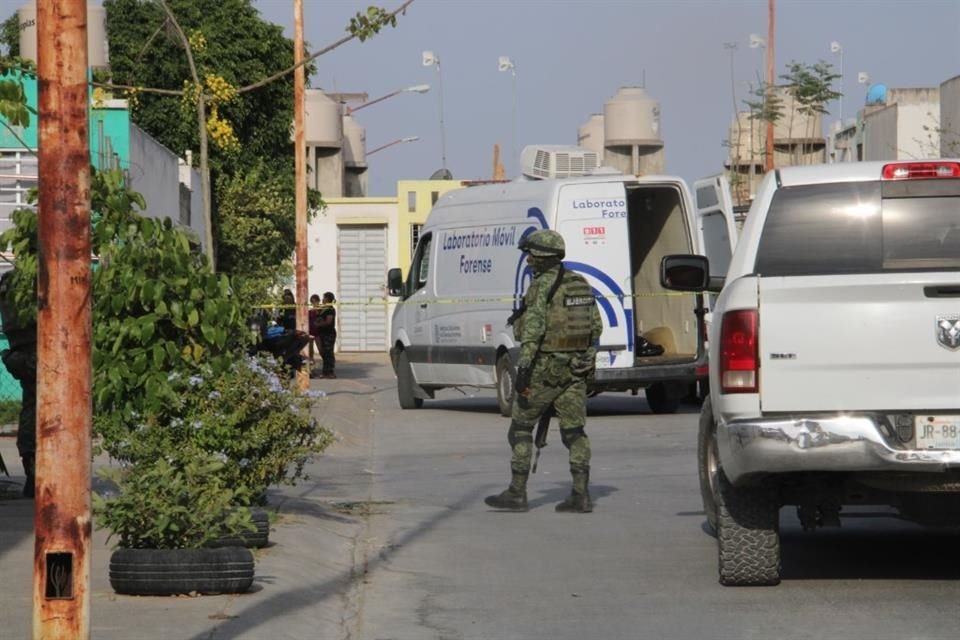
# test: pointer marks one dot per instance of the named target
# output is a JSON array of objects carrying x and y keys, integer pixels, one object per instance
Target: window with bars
[{"x": 18, "y": 175}]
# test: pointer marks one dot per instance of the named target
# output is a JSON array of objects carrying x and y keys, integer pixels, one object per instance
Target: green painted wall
[{"x": 106, "y": 124}]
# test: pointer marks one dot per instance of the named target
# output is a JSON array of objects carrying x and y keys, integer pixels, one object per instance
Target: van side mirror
[
  {"x": 683, "y": 272},
  {"x": 395, "y": 282}
]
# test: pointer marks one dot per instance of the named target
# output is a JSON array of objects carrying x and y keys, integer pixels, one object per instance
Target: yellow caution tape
[{"x": 506, "y": 299}]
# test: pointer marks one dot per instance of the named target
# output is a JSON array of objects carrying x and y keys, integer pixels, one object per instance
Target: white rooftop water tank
[
  {"x": 590, "y": 134},
  {"x": 97, "y": 51},
  {"x": 632, "y": 117},
  {"x": 324, "y": 123}
]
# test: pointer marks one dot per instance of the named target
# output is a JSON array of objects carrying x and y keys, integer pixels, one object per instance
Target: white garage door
[{"x": 363, "y": 274}]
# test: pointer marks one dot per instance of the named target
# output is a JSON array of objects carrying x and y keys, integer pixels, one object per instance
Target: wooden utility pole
[
  {"x": 300, "y": 181},
  {"x": 770, "y": 86},
  {"x": 61, "y": 561}
]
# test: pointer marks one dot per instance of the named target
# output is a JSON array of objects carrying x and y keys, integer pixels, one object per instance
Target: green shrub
[
  {"x": 196, "y": 425},
  {"x": 183, "y": 504}
]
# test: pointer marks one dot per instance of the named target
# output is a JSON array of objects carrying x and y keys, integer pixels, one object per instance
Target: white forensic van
[{"x": 450, "y": 326}]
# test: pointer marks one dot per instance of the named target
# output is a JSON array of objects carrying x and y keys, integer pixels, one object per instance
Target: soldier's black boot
[
  {"x": 513, "y": 498},
  {"x": 579, "y": 499},
  {"x": 508, "y": 500},
  {"x": 29, "y": 485}
]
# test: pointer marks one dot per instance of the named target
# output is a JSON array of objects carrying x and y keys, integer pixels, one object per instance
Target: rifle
[{"x": 540, "y": 440}]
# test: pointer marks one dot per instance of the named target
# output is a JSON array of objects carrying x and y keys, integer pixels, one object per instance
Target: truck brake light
[
  {"x": 739, "y": 362},
  {"x": 920, "y": 170}
]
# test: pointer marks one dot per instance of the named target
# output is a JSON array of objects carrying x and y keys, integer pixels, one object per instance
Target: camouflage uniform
[
  {"x": 21, "y": 361},
  {"x": 557, "y": 336}
]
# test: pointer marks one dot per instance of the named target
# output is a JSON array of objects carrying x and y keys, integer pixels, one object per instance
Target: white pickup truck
[{"x": 834, "y": 356}]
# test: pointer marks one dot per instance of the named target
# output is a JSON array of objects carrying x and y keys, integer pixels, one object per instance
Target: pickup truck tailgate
[{"x": 865, "y": 342}]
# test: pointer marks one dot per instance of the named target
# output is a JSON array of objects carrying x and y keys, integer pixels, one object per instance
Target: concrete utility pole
[
  {"x": 61, "y": 562},
  {"x": 770, "y": 86},
  {"x": 300, "y": 181}
]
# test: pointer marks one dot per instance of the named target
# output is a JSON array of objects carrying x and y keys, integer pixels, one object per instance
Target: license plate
[{"x": 937, "y": 432}]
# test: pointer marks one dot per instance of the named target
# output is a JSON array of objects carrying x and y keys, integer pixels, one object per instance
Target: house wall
[
  {"x": 880, "y": 139},
  {"x": 949, "y": 124},
  {"x": 322, "y": 250},
  {"x": 917, "y": 122}
]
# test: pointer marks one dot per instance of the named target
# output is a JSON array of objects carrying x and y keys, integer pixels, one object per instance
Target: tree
[
  {"x": 764, "y": 105},
  {"x": 10, "y": 35},
  {"x": 256, "y": 229},
  {"x": 261, "y": 130},
  {"x": 811, "y": 88},
  {"x": 234, "y": 53},
  {"x": 228, "y": 40}
]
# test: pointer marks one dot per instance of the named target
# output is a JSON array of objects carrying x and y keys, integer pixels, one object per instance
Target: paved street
[
  {"x": 441, "y": 565},
  {"x": 390, "y": 540}
]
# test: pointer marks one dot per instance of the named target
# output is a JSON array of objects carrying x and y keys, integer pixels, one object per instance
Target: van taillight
[
  {"x": 920, "y": 170},
  {"x": 739, "y": 364}
]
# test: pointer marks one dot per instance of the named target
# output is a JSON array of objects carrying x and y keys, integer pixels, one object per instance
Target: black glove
[{"x": 523, "y": 380}]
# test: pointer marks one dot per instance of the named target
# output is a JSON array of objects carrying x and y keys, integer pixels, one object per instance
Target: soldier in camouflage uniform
[
  {"x": 21, "y": 361},
  {"x": 557, "y": 330}
]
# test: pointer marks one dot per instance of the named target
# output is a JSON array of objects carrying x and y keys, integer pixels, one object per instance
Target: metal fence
[{"x": 9, "y": 387}]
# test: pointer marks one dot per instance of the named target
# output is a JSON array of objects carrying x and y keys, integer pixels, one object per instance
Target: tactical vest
[{"x": 570, "y": 316}]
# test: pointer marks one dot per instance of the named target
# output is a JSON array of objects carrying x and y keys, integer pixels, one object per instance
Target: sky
[{"x": 572, "y": 55}]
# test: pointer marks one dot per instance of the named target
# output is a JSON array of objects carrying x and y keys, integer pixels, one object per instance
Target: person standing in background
[
  {"x": 313, "y": 325},
  {"x": 288, "y": 311},
  {"x": 327, "y": 333}
]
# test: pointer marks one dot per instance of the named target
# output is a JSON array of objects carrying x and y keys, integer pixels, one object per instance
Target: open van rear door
[
  {"x": 716, "y": 228},
  {"x": 592, "y": 218}
]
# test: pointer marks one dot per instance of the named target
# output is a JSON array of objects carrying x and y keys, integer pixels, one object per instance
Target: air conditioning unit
[{"x": 557, "y": 161}]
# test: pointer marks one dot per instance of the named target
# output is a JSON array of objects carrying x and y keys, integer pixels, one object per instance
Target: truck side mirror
[
  {"x": 685, "y": 273},
  {"x": 395, "y": 282}
]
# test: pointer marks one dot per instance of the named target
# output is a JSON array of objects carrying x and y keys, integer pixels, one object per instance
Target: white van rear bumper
[{"x": 821, "y": 443}]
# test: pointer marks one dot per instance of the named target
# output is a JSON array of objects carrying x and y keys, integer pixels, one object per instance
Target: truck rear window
[{"x": 862, "y": 227}]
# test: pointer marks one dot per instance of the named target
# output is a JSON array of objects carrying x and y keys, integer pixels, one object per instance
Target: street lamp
[
  {"x": 418, "y": 88},
  {"x": 836, "y": 47},
  {"x": 431, "y": 59},
  {"x": 506, "y": 64},
  {"x": 390, "y": 144}
]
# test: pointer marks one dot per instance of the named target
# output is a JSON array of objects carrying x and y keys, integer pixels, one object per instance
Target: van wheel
[
  {"x": 660, "y": 399},
  {"x": 708, "y": 464},
  {"x": 405, "y": 385},
  {"x": 748, "y": 535},
  {"x": 505, "y": 384}
]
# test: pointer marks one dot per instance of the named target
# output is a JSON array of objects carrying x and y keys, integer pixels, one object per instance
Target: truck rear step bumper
[{"x": 821, "y": 443}]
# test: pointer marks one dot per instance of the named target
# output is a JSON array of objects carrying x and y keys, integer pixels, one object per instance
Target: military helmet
[{"x": 543, "y": 243}]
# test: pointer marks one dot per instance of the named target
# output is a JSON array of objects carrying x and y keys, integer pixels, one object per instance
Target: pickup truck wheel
[
  {"x": 748, "y": 535},
  {"x": 505, "y": 384},
  {"x": 405, "y": 384},
  {"x": 708, "y": 464},
  {"x": 660, "y": 399}
]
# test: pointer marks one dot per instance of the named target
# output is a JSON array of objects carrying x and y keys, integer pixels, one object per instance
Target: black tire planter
[
  {"x": 168, "y": 572},
  {"x": 250, "y": 539}
]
